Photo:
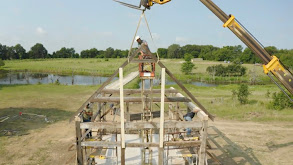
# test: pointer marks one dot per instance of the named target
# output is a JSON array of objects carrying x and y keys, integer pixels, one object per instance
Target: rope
[
  {"x": 151, "y": 36},
  {"x": 143, "y": 15},
  {"x": 135, "y": 34}
]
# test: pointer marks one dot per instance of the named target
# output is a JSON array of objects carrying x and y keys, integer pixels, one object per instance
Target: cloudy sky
[{"x": 85, "y": 24}]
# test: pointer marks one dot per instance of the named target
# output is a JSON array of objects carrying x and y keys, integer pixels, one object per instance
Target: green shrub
[
  {"x": 187, "y": 66},
  {"x": 280, "y": 101},
  {"x": 242, "y": 94},
  {"x": 230, "y": 70}
]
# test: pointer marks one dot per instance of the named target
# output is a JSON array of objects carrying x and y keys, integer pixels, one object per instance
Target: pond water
[{"x": 47, "y": 78}]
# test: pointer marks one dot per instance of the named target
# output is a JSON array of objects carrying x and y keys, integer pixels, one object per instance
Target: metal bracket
[
  {"x": 273, "y": 65},
  {"x": 231, "y": 21}
]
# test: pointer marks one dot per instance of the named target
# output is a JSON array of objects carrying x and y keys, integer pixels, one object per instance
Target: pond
[{"x": 47, "y": 78}]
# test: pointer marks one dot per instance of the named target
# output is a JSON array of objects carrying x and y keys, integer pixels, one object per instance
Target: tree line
[
  {"x": 207, "y": 52},
  {"x": 38, "y": 51}
]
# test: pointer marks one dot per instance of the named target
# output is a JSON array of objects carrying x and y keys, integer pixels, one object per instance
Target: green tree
[
  {"x": 208, "y": 52},
  {"x": 230, "y": 70},
  {"x": 174, "y": 51},
  {"x": 3, "y": 52},
  {"x": 188, "y": 57},
  {"x": 194, "y": 50},
  {"x": 117, "y": 53},
  {"x": 280, "y": 101},
  {"x": 93, "y": 53},
  {"x": 38, "y": 51},
  {"x": 163, "y": 53},
  {"x": 187, "y": 66},
  {"x": 109, "y": 52},
  {"x": 272, "y": 50},
  {"x": 65, "y": 53},
  {"x": 228, "y": 53},
  {"x": 249, "y": 57},
  {"x": 20, "y": 51},
  {"x": 243, "y": 93},
  {"x": 287, "y": 60},
  {"x": 10, "y": 54},
  {"x": 85, "y": 54}
]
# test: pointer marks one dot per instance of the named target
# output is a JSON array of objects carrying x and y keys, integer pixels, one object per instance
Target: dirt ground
[
  {"x": 236, "y": 142},
  {"x": 252, "y": 143}
]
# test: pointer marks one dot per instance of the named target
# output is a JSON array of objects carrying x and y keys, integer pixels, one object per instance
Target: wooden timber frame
[{"x": 168, "y": 128}]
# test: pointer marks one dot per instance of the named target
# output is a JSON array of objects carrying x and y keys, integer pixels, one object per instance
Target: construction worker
[
  {"x": 87, "y": 116},
  {"x": 143, "y": 45},
  {"x": 188, "y": 117},
  {"x": 140, "y": 41}
]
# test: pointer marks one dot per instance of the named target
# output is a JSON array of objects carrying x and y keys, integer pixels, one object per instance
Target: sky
[{"x": 85, "y": 24}]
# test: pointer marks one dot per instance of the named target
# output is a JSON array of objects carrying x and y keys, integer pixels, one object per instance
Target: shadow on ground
[
  {"x": 272, "y": 146},
  {"x": 228, "y": 152},
  {"x": 18, "y": 121}
]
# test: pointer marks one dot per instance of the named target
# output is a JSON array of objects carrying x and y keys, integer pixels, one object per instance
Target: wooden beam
[
  {"x": 138, "y": 99},
  {"x": 100, "y": 144},
  {"x": 161, "y": 156},
  {"x": 79, "y": 155},
  {"x": 122, "y": 120},
  {"x": 162, "y": 117},
  {"x": 137, "y": 91},
  {"x": 179, "y": 83},
  {"x": 202, "y": 115},
  {"x": 122, "y": 156},
  {"x": 193, "y": 107},
  {"x": 183, "y": 143},
  {"x": 202, "y": 156},
  {"x": 138, "y": 145},
  {"x": 143, "y": 61},
  {"x": 141, "y": 125},
  {"x": 106, "y": 112},
  {"x": 104, "y": 84}
]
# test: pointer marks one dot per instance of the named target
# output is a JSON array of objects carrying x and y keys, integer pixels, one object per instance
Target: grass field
[
  {"x": 39, "y": 142},
  {"x": 106, "y": 68},
  {"x": 217, "y": 99},
  {"x": 67, "y": 66},
  {"x": 56, "y": 102}
]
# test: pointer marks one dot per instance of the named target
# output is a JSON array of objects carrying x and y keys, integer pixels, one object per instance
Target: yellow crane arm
[
  {"x": 271, "y": 63},
  {"x": 161, "y": 2}
]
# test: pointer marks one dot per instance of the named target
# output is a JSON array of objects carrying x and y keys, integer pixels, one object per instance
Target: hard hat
[{"x": 137, "y": 37}]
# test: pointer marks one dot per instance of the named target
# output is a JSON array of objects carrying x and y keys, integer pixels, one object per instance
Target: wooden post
[
  {"x": 122, "y": 117},
  {"x": 202, "y": 150},
  {"x": 123, "y": 156},
  {"x": 79, "y": 155},
  {"x": 161, "y": 149}
]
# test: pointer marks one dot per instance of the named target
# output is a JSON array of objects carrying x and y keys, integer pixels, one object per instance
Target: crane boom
[{"x": 271, "y": 63}]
